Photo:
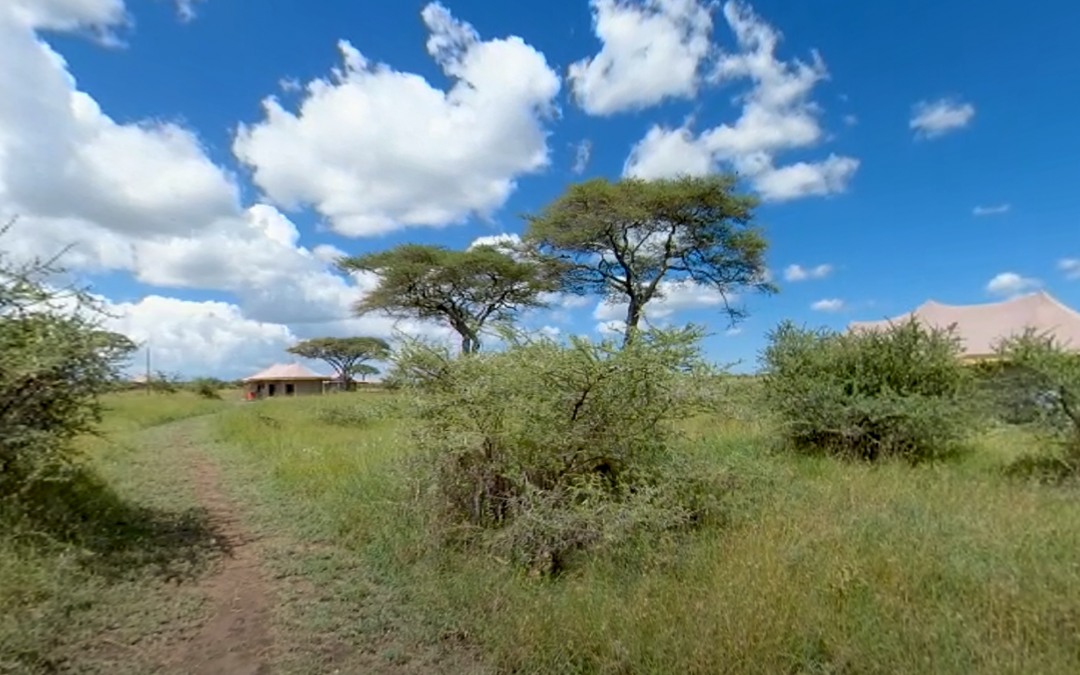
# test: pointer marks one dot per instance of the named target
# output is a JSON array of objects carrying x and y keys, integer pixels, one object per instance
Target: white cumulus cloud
[
  {"x": 676, "y": 296},
  {"x": 145, "y": 198},
  {"x": 931, "y": 119},
  {"x": 828, "y": 305},
  {"x": 797, "y": 272},
  {"x": 1010, "y": 284},
  {"x": 777, "y": 115},
  {"x": 652, "y": 50},
  {"x": 375, "y": 149}
]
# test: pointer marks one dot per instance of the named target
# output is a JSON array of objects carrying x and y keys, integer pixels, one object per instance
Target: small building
[
  {"x": 290, "y": 379},
  {"x": 980, "y": 327}
]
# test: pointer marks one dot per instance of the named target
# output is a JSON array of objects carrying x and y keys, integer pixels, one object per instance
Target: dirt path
[{"x": 236, "y": 639}]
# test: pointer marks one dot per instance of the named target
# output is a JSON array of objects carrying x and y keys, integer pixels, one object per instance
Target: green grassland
[
  {"x": 94, "y": 577},
  {"x": 821, "y": 566},
  {"x": 818, "y": 566}
]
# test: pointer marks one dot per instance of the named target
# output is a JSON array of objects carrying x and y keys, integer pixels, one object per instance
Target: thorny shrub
[
  {"x": 897, "y": 392},
  {"x": 1046, "y": 379},
  {"x": 544, "y": 449},
  {"x": 55, "y": 361},
  {"x": 207, "y": 387}
]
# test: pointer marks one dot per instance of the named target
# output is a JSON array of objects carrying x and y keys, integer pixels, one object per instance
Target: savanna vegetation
[
  {"x": 866, "y": 503},
  {"x": 91, "y": 534}
]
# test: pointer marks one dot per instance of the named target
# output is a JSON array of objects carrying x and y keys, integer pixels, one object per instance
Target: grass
[
  {"x": 134, "y": 410},
  {"x": 823, "y": 566},
  {"x": 94, "y": 578}
]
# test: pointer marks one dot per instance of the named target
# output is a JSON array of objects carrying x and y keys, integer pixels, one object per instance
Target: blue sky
[{"x": 928, "y": 150}]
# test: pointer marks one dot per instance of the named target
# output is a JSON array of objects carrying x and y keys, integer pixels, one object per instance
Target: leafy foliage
[
  {"x": 207, "y": 387},
  {"x": 55, "y": 360},
  {"x": 1045, "y": 383},
  {"x": 364, "y": 371},
  {"x": 623, "y": 239},
  {"x": 466, "y": 289},
  {"x": 871, "y": 394},
  {"x": 164, "y": 383},
  {"x": 347, "y": 356},
  {"x": 543, "y": 449}
]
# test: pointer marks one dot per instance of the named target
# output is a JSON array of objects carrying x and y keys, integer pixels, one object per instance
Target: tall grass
[
  {"x": 822, "y": 566},
  {"x": 134, "y": 410}
]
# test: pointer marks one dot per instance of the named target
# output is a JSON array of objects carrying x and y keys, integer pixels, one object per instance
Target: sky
[{"x": 205, "y": 161}]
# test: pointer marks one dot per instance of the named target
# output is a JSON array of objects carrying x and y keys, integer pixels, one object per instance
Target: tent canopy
[
  {"x": 981, "y": 326},
  {"x": 283, "y": 372}
]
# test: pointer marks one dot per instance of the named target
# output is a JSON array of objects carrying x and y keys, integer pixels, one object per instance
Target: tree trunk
[
  {"x": 633, "y": 318},
  {"x": 470, "y": 343}
]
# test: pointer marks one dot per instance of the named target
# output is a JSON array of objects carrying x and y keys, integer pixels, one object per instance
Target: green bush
[
  {"x": 900, "y": 392},
  {"x": 1050, "y": 377},
  {"x": 55, "y": 362},
  {"x": 207, "y": 387},
  {"x": 542, "y": 449}
]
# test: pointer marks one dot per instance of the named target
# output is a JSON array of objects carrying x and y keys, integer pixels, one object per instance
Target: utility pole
[{"x": 147, "y": 384}]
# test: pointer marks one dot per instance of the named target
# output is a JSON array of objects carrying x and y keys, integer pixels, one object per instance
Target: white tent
[{"x": 981, "y": 326}]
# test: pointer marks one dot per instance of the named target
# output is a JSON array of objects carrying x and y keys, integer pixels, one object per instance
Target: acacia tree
[
  {"x": 365, "y": 371},
  {"x": 624, "y": 239},
  {"x": 466, "y": 289},
  {"x": 348, "y": 356}
]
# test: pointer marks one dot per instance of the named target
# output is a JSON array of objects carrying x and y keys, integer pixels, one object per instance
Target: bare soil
[{"x": 236, "y": 639}]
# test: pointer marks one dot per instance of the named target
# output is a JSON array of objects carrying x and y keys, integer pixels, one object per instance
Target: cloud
[
  {"x": 991, "y": 210},
  {"x": 582, "y": 155},
  {"x": 828, "y": 305},
  {"x": 652, "y": 50},
  {"x": 376, "y": 150},
  {"x": 777, "y": 116},
  {"x": 67, "y": 15},
  {"x": 851, "y": 120},
  {"x": 63, "y": 159},
  {"x": 145, "y": 198},
  {"x": 1011, "y": 283},
  {"x": 1070, "y": 267},
  {"x": 799, "y": 273},
  {"x": 611, "y": 328},
  {"x": 803, "y": 179},
  {"x": 677, "y": 296},
  {"x": 186, "y": 9},
  {"x": 931, "y": 119},
  {"x": 506, "y": 240},
  {"x": 199, "y": 338}
]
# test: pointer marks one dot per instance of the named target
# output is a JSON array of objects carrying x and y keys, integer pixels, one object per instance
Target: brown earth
[{"x": 236, "y": 639}]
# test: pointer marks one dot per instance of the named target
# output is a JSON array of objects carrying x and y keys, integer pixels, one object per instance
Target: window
[{"x": 290, "y": 389}]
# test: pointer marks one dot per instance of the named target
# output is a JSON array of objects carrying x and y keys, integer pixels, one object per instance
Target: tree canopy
[
  {"x": 364, "y": 371},
  {"x": 466, "y": 289},
  {"x": 624, "y": 239},
  {"x": 348, "y": 356}
]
